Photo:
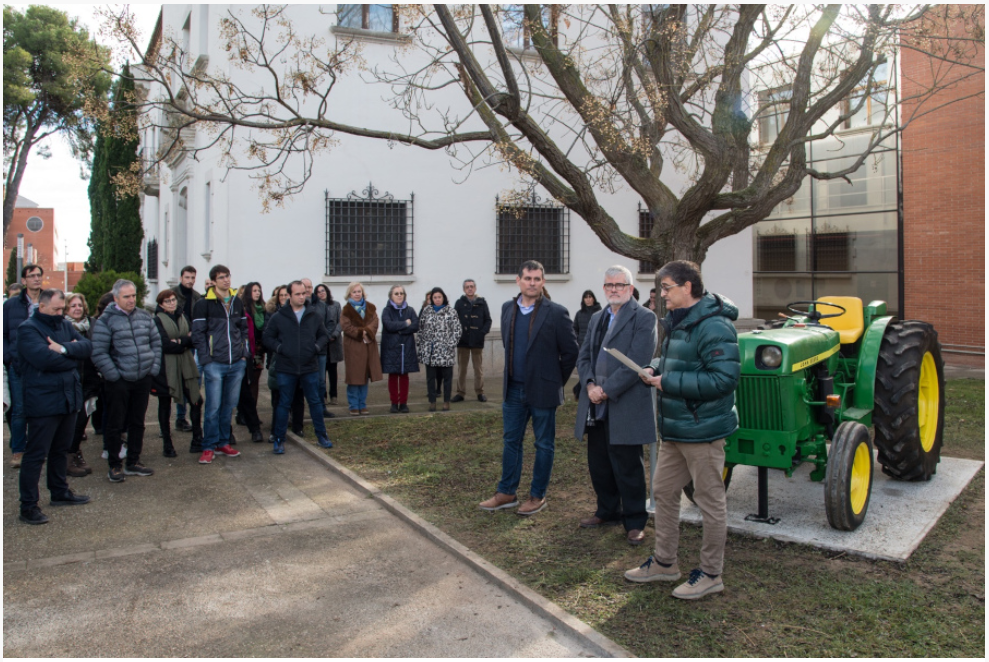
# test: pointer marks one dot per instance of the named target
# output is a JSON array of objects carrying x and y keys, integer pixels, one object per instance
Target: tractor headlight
[{"x": 771, "y": 356}]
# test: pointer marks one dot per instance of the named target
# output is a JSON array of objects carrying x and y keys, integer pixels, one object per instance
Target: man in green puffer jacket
[{"x": 695, "y": 379}]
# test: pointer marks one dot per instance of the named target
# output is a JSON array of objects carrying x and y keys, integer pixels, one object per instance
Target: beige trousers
[
  {"x": 676, "y": 465},
  {"x": 474, "y": 355}
]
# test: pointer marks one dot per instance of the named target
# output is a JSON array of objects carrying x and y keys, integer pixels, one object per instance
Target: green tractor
[{"x": 826, "y": 375}]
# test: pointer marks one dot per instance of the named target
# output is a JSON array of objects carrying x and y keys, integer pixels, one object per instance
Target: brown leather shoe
[
  {"x": 636, "y": 537},
  {"x": 499, "y": 502},
  {"x": 364, "y": 412},
  {"x": 594, "y": 522},
  {"x": 531, "y": 507},
  {"x": 355, "y": 412},
  {"x": 15, "y": 460},
  {"x": 432, "y": 406},
  {"x": 446, "y": 406}
]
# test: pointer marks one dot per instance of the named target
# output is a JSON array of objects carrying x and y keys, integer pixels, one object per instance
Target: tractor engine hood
[{"x": 801, "y": 347}]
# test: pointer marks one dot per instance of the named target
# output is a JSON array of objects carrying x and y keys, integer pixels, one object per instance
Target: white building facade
[{"x": 377, "y": 212}]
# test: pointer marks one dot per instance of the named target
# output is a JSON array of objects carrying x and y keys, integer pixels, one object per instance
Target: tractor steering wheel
[{"x": 815, "y": 314}]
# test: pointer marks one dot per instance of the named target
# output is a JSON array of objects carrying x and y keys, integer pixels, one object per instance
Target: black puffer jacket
[
  {"x": 582, "y": 319},
  {"x": 217, "y": 335},
  {"x": 296, "y": 344},
  {"x": 475, "y": 320}
]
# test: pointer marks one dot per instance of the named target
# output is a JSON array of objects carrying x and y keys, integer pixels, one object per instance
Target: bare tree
[{"x": 578, "y": 99}]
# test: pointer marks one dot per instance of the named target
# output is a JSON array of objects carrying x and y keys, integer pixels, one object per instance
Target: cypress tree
[
  {"x": 12, "y": 275},
  {"x": 116, "y": 232}
]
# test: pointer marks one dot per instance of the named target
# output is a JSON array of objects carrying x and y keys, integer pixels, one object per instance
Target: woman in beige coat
[{"x": 362, "y": 362}]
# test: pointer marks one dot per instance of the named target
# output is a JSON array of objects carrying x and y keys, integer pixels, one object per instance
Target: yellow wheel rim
[
  {"x": 861, "y": 477},
  {"x": 928, "y": 401}
]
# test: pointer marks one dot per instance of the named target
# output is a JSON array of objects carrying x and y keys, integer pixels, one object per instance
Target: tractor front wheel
[
  {"x": 909, "y": 401},
  {"x": 848, "y": 484}
]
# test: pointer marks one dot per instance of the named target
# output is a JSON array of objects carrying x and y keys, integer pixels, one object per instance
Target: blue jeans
[
  {"x": 18, "y": 424},
  {"x": 516, "y": 412},
  {"x": 222, "y": 393},
  {"x": 357, "y": 396},
  {"x": 322, "y": 376},
  {"x": 310, "y": 388}
]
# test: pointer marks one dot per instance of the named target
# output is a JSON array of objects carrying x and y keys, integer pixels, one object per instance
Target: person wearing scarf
[
  {"x": 439, "y": 332},
  {"x": 252, "y": 296},
  {"x": 359, "y": 323},
  {"x": 178, "y": 375},
  {"x": 399, "y": 323},
  {"x": 77, "y": 312}
]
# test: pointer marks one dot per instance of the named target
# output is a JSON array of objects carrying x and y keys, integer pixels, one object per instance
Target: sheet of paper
[{"x": 627, "y": 361}]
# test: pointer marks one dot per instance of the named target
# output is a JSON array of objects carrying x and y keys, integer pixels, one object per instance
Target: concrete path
[{"x": 256, "y": 556}]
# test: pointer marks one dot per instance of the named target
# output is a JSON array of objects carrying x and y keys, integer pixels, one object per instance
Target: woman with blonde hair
[
  {"x": 359, "y": 323},
  {"x": 77, "y": 312}
]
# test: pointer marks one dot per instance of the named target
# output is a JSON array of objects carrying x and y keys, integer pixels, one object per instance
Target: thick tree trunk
[{"x": 15, "y": 177}]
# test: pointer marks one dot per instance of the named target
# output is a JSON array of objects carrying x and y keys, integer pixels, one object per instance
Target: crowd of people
[{"x": 206, "y": 353}]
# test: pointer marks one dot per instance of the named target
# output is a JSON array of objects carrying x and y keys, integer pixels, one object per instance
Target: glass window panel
[
  {"x": 873, "y": 185},
  {"x": 868, "y": 287},
  {"x": 350, "y": 16},
  {"x": 380, "y": 18},
  {"x": 772, "y": 292},
  {"x": 782, "y": 245},
  {"x": 862, "y": 242}
]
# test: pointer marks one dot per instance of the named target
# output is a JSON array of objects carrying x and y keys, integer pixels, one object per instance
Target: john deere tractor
[{"x": 825, "y": 375}]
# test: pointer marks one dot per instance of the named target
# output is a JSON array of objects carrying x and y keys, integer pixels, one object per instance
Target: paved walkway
[{"x": 257, "y": 556}]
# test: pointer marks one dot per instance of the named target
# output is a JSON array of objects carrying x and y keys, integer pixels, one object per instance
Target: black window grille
[
  {"x": 776, "y": 252},
  {"x": 368, "y": 234},
  {"x": 533, "y": 230},
  {"x": 153, "y": 259},
  {"x": 830, "y": 251},
  {"x": 645, "y": 230}
]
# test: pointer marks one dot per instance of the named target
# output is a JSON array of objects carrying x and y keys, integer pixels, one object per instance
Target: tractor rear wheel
[
  {"x": 688, "y": 489},
  {"x": 848, "y": 484},
  {"x": 909, "y": 401}
]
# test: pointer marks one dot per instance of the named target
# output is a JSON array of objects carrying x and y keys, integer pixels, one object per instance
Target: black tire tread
[{"x": 897, "y": 387}]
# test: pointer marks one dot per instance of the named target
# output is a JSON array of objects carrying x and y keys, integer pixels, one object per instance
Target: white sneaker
[
  {"x": 105, "y": 455},
  {"x": 123, "y": 451}
]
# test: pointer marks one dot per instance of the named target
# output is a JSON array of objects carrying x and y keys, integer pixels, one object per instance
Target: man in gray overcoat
[{"x": 614, "y": 410}]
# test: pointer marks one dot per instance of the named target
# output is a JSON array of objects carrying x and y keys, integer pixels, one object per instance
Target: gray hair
[
  {"x": 618, "y": 269},
  {"x": 121, "y": 284},
  {"x": 469, "y": 280},
  {"x": 49, "y": 294}
]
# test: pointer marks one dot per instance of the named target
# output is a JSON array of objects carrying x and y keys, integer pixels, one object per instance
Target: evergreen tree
[
  {"x": 116, "y": 233},
  {"x": 12, "y": 275}
]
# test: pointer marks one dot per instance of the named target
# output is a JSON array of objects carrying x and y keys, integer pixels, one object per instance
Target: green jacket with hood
[{"x": 700, "y": 367}]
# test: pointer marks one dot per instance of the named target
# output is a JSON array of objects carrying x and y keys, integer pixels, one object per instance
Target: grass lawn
[{"x": 780, "y": 599}]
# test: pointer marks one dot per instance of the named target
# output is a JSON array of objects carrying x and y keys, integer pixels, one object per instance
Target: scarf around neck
[
  {"x": 359, "y": 306},
  {"x": 82, "y": 326}
]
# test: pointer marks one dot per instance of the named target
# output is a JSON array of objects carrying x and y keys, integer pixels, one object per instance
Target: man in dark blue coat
[
  {"x": 48, "y": 351},
  {"x": 296, "y": 334},
  {"x": 16, "y": 311},
  {"x": 540, "y": 353}
]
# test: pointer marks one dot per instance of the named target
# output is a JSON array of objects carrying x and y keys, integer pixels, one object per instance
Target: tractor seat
[{"x": 849, "y": 324}]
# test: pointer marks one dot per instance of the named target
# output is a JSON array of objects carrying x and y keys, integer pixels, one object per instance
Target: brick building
[
  {"x": 944, "y": 206},
  {"x": 42, "y": 244}
]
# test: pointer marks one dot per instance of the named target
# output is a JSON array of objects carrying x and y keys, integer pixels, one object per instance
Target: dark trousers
[
  {"x": 298, "y": 407},
  {"x": 80, "y": 429},
  {"x": 331, "y": 378},
  {"x": 127, "y": 404},
  {"x": 48, "y": 438},
  {"x": 247, "y": 405},
  {"x": 439, "y": 377},
  {"x": 618, "y": 475},
  {"x": 165, "y": 419}
]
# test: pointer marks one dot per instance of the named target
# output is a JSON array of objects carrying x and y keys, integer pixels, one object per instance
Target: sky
[{"x": 56, "y": 182}]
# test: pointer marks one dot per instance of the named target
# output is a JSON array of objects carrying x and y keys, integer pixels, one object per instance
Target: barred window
[
  {"x": 533, "y": 230},
  {"x": 368, "y": 234},
  {"x": 152, "y": 262}
]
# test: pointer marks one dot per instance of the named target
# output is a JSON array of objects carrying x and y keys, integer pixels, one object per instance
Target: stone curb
[{"x": 547, "y": 609}]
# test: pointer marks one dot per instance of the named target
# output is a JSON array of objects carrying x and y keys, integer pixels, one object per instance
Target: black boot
[{"x": 166, "y": 442}]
